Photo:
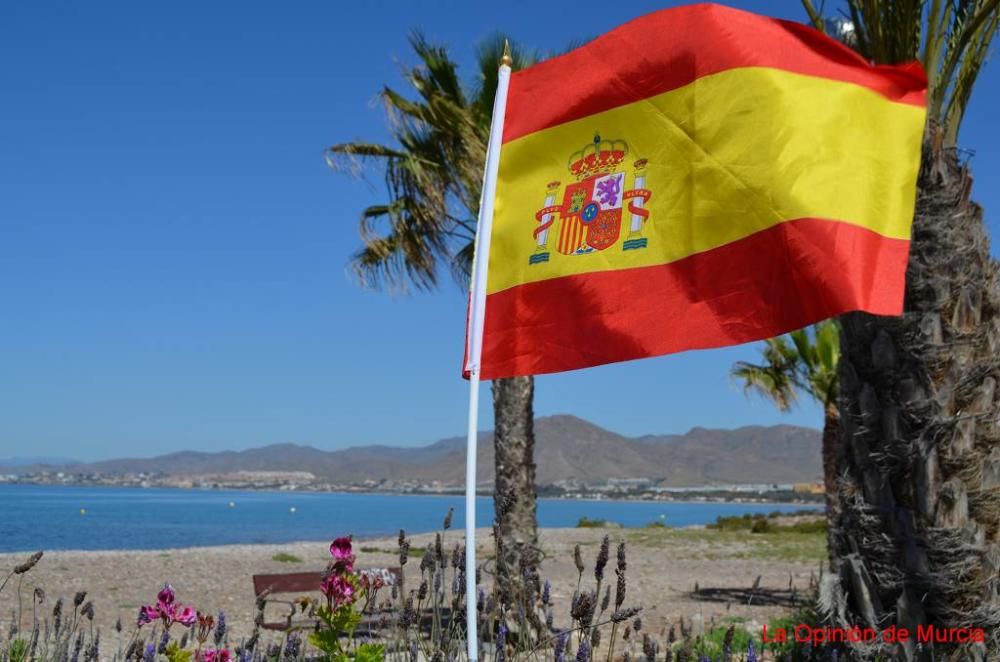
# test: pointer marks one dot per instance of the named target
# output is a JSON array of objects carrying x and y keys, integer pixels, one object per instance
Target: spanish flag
[{"x": 698, "y": 177}]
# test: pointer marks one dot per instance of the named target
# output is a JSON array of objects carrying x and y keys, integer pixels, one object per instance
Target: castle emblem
[{"x": 590, "y": 216}]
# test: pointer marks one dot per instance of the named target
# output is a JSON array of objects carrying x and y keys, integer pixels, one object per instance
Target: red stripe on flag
[
  {"x": 672, "y": 48},
  {"x": 777, "y": 280}
]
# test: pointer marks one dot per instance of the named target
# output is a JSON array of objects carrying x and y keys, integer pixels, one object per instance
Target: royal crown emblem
[{"x": 590, "y": 216}]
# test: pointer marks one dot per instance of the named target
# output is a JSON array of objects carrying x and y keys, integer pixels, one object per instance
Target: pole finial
[{"x": 506, "y": 60}]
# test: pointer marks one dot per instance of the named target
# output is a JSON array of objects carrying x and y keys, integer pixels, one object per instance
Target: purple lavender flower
[
  {"x": 583, "y": 654},
  {"x": 93, "y": 650},
  {"x": 220, "y": 629},
  {"x": 602, "y": 558},
  {"x": 620, "y": 588},
  {"x": 560, "y": 649},
  {"x": 164, "y": 642},
  {"x": 292, "y": 646},
  {"x": 77, "y": 647},
  {"x": 547, "y": 593},
  {"x": 649, "y": 648},
  {"x": 751, "y": 652},
  {"x": 727, "y": 644},
  {"x": 150, "y": 653},
  {"x": 501, "y": 643}
]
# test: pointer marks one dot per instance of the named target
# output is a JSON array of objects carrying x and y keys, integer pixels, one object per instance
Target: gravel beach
[{"x": 663, "y": 567}]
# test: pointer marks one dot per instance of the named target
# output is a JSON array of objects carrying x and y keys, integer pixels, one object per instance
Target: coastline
[{"x": 757, "y": 499}]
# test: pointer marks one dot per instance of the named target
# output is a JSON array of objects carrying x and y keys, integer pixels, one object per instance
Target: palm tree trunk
[
  {"x": 831, "y": 468},
  {"x": 917, "y": 537},
  {"x": 515, "y": 492}
]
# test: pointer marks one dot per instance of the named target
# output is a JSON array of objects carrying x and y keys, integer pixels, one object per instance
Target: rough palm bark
[
  {"x": 515, "y": 491},
  {"x": 832, "y": 461},
  {"x": 917, "y": 536}
]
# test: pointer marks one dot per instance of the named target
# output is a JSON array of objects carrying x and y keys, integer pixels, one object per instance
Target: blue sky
[{"x": 173, "y": 249}]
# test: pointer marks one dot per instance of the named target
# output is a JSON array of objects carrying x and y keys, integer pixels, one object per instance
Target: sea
[{"x": 45, "y": 517}]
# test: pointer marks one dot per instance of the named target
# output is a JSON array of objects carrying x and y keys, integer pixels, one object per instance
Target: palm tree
[
  {"x": 433, "y": 176},
  {"x": 803, "y": 362},
  {"x": 918, "y": 533}
]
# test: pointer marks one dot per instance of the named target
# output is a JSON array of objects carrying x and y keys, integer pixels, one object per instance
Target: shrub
[
  {"x": 809, "y": 526},
  {"x": 734, "y": 522},
  {"x": 765, "y": 524}
]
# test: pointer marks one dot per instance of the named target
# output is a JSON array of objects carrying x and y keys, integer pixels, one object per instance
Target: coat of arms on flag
[{"x": 590, "y": 216}]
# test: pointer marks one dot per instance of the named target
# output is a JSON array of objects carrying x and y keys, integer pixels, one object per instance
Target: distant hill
[
  {"x": 566, "y": 448},
  {"x": 17, "y": 461}
]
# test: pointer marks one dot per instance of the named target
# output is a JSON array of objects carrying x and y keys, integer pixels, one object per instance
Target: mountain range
[{"x": 567, "y": 448}]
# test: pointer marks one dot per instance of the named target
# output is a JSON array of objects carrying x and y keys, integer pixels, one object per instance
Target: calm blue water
[{"x": 34, "y": 517}]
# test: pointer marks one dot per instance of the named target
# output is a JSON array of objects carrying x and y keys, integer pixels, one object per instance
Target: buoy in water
[
  {"x": 292, "y": 509},
  {"x": 232, "y": 504},
  {"x": 83, "y": 511}
]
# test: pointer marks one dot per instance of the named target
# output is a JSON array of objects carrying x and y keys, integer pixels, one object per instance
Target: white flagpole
[{"x": 477, "y": 310}]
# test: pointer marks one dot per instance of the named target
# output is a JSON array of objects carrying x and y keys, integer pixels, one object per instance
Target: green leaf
[
  {"x": 326, "y": 641},
  {"x": 370, "y": 653},
  {"x": 342, "y": 621},
  {"x": 175, "y": 653},
  {"x": 17, "y": 650}
]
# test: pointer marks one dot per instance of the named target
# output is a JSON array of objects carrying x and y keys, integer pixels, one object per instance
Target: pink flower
[
  {"x": 148, "y": 614},
  {"x": 342, "y": 552},
  {"x": 186, "y": 615},
  {"x": 166, "y": 595},
  {"x": 338, "y": 590},
  {"x": 166, "y": 611},
  {"x": 216, "y": 655}
]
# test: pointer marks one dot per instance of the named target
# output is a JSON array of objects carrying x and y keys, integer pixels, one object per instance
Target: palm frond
[
  {"x": 767, "y": 381},
  {"x": 823, "y": 375},
  {"x": 437, "y": 74},
  {"x": 351, "y": 157},
  {"x": 432, "y": 171},
  {"x": 803, "y": 361},
  {"x": 488, "y": 55}
]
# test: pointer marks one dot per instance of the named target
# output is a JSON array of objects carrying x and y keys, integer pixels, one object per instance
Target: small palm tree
[
  {"x": 918, "y": 531},
  {"x": 806, "y": 362},
  {"x": 433, "y": 177}
]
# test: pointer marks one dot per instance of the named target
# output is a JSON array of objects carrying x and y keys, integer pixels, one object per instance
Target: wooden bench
[{"x": 265, "y": 586}]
